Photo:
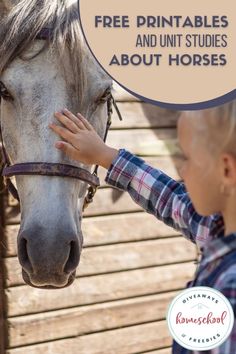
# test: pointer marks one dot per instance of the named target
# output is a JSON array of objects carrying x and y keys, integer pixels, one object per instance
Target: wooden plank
[
  {"x": 3, "y": 337},
  {"x": 159, "y": 351},
  {"x": 25, "y": 330},
  {"x": 125, "y": 340},
  {"x": 126, "y": 256},
  {"x": 112, "y": 201},
  {"x": 143, "y": 115},
  {"x": 12, "y": 214},
  {"x": 145, "y": 142},
  {"x": 109, "y": 229},
  {"x": 100, "y": 288},
  {"x": 122, "y": 95}
]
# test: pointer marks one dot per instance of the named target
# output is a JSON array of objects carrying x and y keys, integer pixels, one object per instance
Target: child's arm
[
  {"x": 161, "y": 196},
  {"x": 153, "y": 190}
]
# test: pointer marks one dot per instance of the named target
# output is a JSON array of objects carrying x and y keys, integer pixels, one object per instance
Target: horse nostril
[
  {"x": 73, "y": 259},
  {"x": 23, "y": 256}
]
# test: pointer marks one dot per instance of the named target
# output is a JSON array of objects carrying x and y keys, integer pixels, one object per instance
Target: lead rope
[{"x": 92, "y": 190}]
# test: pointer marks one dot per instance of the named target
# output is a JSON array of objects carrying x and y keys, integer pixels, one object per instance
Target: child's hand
[{"x": 82, "y": 143}]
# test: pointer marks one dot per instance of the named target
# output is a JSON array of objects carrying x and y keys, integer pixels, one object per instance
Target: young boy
[{"x": 203, "y": 208}]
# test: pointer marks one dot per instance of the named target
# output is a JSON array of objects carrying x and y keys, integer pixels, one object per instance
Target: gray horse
[{"x": 38, "y": 78}]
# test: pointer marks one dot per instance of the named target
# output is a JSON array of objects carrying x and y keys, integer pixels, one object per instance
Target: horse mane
[{"x": 25, "y": 21}]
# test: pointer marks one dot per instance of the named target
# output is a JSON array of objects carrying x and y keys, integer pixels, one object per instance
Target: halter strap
[
  {"x": 51, "y": 169},
  {"x": 110, "y": 103}
]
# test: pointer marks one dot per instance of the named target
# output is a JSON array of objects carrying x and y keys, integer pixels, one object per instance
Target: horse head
[{"x": 39, "y": 77}]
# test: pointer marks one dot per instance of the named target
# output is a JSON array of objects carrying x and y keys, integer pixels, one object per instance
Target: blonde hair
[
  {"x": 216, "y": 127},
  {"x": 226, "y": 126}
]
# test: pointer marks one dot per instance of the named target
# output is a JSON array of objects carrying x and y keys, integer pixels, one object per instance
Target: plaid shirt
[{"x": 169, "y": 202}]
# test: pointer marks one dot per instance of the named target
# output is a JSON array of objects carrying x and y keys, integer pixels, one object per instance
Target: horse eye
[
  {"x": 105, "y": 97},
  {"x": 4, "y": 93}
]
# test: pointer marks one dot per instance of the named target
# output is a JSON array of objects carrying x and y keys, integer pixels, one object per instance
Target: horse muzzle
[
  {"x": 49, "y": 258},
  {"x": 60, "y": 282}
]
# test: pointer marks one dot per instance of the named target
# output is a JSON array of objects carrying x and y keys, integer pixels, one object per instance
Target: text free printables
[{"x": 117, "y": 21}]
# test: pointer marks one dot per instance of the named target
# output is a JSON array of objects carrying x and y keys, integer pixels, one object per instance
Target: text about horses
[{"x": 174, "y": 40}]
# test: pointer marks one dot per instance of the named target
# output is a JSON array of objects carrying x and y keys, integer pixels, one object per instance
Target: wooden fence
[{"x": 131, "y": 267}]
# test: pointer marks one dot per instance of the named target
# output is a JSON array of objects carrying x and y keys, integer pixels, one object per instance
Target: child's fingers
[
  {"x": 67, "y": 122},
  {"x": 63, "y": 132},
  {"x": 73, "y": 118},
  {"x": 67, "y": 148},
  {"x": 85, "y": 122}
]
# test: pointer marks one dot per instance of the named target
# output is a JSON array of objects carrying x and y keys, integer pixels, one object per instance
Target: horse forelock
[{"x": 25, "y": 21}]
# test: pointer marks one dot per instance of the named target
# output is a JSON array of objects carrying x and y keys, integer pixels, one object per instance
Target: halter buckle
[{"x": 89, "y": 197}]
